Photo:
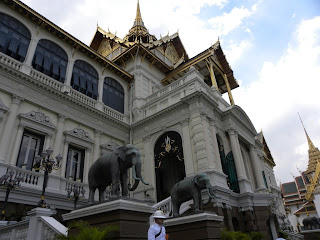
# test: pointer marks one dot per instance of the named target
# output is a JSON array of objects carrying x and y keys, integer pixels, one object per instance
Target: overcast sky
[{"x": 272, "y": 46}]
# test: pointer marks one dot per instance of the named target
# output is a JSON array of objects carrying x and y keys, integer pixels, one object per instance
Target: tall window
[
  {"x": 75, "y": 164},
  {"x": 31, "y": 146},
  {"x": 14, "y": 37},
  {"x": 113, "y": 94},
  {"x": 51, "y": 60},
  {"x": 85, "y": 79}
]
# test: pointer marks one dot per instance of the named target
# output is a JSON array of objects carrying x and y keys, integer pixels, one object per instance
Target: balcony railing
[{"x": 52, "y": 83}]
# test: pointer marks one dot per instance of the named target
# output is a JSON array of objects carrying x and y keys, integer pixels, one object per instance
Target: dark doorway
[{"x": 169, "y": 163}]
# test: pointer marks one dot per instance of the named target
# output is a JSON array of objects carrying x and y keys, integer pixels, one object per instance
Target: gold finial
[
  {"x": 138, "y": 21},
  {"x": 311, "y": 146}
]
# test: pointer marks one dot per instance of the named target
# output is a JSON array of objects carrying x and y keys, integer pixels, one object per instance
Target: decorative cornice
[
  {"x": 80, "y": 133},
  {"x": 39, "y": 118}
]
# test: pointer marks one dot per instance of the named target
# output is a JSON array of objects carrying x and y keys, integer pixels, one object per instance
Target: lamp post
[
  {"x": 46, "y": 164},
  {"x": 7, "y": 182},
  {"x": 77, "y": 190}
]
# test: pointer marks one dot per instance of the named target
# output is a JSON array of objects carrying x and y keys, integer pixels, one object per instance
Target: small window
[
  {"x": 85, "y": 79},
  {"x": 264, "y": 179},
  {"x": 51, "y": 60},
  {"x": 75, "y": 164},
  {"x": 14, "y": 37},
  {"x": 31, "y": 146},
  {"x": 113, "y": 94}
]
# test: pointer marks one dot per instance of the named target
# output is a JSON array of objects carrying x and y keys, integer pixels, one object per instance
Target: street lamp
[
  {"x": 76, "y": 189},
  {"x": 7, "y": 182},
  {"x": 46, "y": 164}
]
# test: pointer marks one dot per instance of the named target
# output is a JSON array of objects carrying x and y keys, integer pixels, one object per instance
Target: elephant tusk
[
  {"x": 211, "y": 194},
  {"x": 207, "y": 202}
]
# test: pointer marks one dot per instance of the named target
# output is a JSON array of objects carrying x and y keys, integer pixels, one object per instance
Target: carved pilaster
[
  {"x": 185, "y": 122},
  {"x": 17, "y": 99}
]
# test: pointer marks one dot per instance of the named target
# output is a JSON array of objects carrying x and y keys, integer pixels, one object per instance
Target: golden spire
[
  {"x": 138, "y": 32},
  {"x": 311, "y": 146},
  {"x": 138, "y": 21},
  {"x": 313, "y": 152}
]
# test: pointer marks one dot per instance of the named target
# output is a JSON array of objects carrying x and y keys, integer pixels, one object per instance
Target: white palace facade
[{"x": 82, "y": 101}]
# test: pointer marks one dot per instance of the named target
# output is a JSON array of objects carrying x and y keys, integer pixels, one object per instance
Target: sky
[{"x": 272, "y": 46}]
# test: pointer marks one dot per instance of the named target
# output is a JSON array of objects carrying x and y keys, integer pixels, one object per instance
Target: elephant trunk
[
  {"x": 137, "y": 177},
  {"x": 210, "y": 194}
]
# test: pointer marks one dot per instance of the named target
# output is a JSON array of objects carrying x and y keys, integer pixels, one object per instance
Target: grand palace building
[{"x": 84, "y": 100}]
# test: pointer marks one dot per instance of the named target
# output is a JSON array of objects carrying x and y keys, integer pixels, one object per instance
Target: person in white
[
  {"x": 281, "y": 236},
  {"x": 157, "y": 231}
]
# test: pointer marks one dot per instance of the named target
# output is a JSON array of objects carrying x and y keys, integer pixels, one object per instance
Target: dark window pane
[
  {"x": 74, "y": 169},
  {"x": 31, "y": 146},
  {"x": 113, "y": 94},
  {"x": 88, "y": 83},
  {"x": 14, "y": 37},
  {"x": 49, "y": 58}
]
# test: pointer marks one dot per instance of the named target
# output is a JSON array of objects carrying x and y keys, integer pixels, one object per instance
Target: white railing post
[{"x": 36, "y": 226}]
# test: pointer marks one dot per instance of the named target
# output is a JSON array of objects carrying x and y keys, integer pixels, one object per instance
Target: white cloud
[
  {"x": 284, "y": 88},
  {"x": 235, "y": 50},
  {"x": 226, "y": 23}
]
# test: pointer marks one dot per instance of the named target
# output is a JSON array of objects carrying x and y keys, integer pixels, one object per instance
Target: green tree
[{"x": 87, "y": 232}]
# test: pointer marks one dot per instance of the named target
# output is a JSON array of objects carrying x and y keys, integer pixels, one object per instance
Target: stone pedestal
[
  {"x": 198, "y": 226},
  {"x": 131, "y": 216},
  {"x": 311, "y": 234}
]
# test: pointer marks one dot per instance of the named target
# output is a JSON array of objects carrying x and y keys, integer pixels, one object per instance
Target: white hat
[{"x": 158, "y": 214}]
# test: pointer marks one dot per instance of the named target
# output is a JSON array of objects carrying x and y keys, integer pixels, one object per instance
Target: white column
[
  {"x": 48, "y": 142},
  {"x": 215, "y": 146},
  {"x": 209, "y": 150},
  {"x": 64, "y": 159},
  {"x": 236, "y": 154},
  {"x": 8, "y": 128},
  {"x": 16, "y": 146},
  {"x": 187, "y": 154},
  {"x": 148, "y": 162},
  {"x": 69, "y": 72},
  {"x": 87, "y": 165},
  {"x": 100, "y": 88},
  {"x": 59, "y": 134},
  {"x": 26, "y": 67},
  {"x": 96, "y": 150},
  {"x": 257, "y": 167}
]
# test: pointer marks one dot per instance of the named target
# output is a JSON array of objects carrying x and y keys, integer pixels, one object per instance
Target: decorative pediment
[
  {"x": 38, "y": 118},
  {"x": 241, "y": 116},
  {"x": 80, "y": 134}
]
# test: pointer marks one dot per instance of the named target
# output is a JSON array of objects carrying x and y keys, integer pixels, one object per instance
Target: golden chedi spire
[
  {"x": 313, "y": 152},
  {"x": 138, "y": 21},
  {"x": 139, "y": 33}
]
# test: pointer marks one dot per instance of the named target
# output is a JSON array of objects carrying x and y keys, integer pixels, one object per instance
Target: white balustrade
[
  {"x": 10, "y": 61},
  {"x": 83, "y": 98},
  {"x": 46, "y": 80},
  {"x": 113, "y": 113},
  {"x": 16, "y": 231}
]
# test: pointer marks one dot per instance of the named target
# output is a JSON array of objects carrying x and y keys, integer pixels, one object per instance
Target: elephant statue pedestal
[
  {"x": 131, "y": 216},
  {"x": 197, "y": 226}
]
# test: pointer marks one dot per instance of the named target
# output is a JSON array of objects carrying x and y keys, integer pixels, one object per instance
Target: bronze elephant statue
[
  {"x": 113, "y": 167},
  {"x": 190, "y": 188},
  {"x": 311, "y": 223}
]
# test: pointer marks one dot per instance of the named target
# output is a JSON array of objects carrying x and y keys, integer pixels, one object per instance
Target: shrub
[{"x": 87, "y": 232}]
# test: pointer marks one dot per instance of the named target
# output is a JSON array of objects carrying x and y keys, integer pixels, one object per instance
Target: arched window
[
  {"x": 85, "y": 79},
  {"x": 113, "y": 94},
  {"x": 14, "y": 37},
  {"x": 51, "y": 60}
]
